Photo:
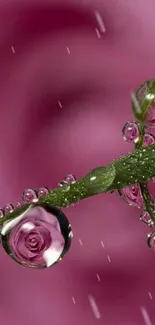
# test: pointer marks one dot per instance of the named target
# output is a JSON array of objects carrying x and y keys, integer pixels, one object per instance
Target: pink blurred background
[{"x": 67, "y": 69}]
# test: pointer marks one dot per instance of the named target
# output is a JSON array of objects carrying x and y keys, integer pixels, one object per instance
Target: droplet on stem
[
  {"x": 70, "y": 179},
  {"x": 37, "y": 238},
  {"x": 130, "y": 132},
  {"x": 29, "y": 195},
  {"x": 145, "y": 218},
  {"x": 42, "y": 191},
  {"x": 8, "y": 208},
  {"x": 146, "y": 92},
  {"x": 151, "y": 240},
  {"x": 132, "y": 195},
  {"x": 149, "y": 139}
]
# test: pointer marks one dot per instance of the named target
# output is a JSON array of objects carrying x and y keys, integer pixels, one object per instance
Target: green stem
[
  {"x": 148, "y": 201},
  {"x": 136, "y": 167}
]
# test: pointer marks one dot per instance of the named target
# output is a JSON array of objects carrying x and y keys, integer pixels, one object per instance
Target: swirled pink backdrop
[{"x": 67, "y": 69}]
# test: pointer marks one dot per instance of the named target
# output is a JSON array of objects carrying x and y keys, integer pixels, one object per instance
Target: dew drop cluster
[{"x": 131, "y": 133}]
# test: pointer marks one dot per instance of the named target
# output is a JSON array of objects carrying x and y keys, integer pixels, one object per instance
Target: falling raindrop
[
  {"x": 146, "y": 316},
  {"x": 132, "y": 195},
  {"x": 37, "y": 238},
  {"x": 109, "y": 258},
  {"x": 100, "y": 21},
  {"x": 102, "y": 244},
  {"x": 149, "y": 139},
  {"x": 80, "y": 242},
  {"x": 29, "y": 195},
  {"x": 98, "y": 277},
  {"x": 145, "y": 218},
  {"x": 94, "y": 307},
  {"x": 150, "y": 295},
  {"x": 130, "y": 132},
  {"x": 73, "y": 299}
]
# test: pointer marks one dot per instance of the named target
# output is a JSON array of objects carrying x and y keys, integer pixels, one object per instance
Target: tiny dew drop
[
  {"x": 151, "y": 240},
  {"x": 149, "y": 139},
  {"x": 145, "y": 218}
]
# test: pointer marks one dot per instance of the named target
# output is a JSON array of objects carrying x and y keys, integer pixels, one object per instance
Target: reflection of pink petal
[
  {"x": 38, "y": 232},
  {"x": 53, "y": 253}
]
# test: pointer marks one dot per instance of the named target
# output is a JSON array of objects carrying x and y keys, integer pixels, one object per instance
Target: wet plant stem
[
  {"x": 133, "y": 168},
  {"x": 148, "y": 201}
]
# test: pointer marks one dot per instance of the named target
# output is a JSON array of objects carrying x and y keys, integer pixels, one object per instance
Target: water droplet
[
  {"x": 62, "y": 184},
  {"x": 150, "y": 116},
  {"x": 18, "y": 205},
  {"x": 146, "y": 316},
  {"x": 130, "y": 132},
  {"x": 70, "y": 179},
  {"x": 150, "y": 295},
  {"x": 132, "y": 195},
  {"x": 80, "y": 241},
  {"x": 102, "y": 244},
  {"x": 37, "y": 238},
  {"x": 145, "y": 218},
  {"x": 98, "y": 277},
  {"x": 151, "y": 240},
  {"x": 109, "y": 258},
  {"x": 29, "y": 195},
  {"x": 42, "y": 191},
  {"x": 142, "y": 89},
  {"x": 73, "y": 299},
  {"x": 149, "y": 139},
  {"x": 1, "y": 213},
  {"x": 94, "y": 306},
  {"x": 8, "y": 208}
]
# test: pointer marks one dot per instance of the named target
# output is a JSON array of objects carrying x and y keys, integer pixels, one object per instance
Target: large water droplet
[
  {"x": 151, "y": 240},
  {"x": 37, "y": 238},
  {"x": 132, "y": 195},
  {"x": 130, "y": 132},
  {"x": 149, "y": 139},
  {"x": 145, "y": 218}
]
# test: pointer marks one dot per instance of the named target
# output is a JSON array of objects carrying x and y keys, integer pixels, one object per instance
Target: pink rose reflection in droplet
[
  {"x": 36, "y": 239},
  {"x": 149, "y": 139},
  {"x": 130, "y": 132},
  {"x": 132, "y": 195}
]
